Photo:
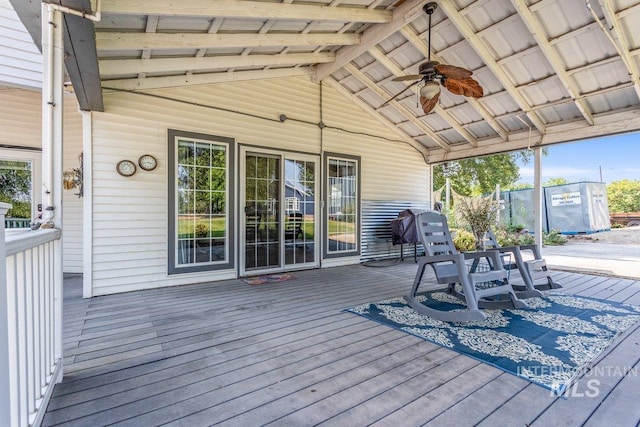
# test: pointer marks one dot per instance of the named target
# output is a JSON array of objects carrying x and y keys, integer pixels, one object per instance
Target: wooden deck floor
[{"x": 286, "y": 354}]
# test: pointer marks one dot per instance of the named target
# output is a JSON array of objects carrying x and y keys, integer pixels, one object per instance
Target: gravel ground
[{"x": 622, "y": 236}]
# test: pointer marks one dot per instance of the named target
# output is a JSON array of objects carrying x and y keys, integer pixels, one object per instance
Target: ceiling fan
[{"x": 432, "y": 74}]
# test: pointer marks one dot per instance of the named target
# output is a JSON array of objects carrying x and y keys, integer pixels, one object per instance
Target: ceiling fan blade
[
  {"x": 407, "y": 77},
  {"x": 398, "y": 94},
  {"x": 453, "y": 72},
  {"x": 429, "y": 104},
  {"x": 466, "y": 87}
]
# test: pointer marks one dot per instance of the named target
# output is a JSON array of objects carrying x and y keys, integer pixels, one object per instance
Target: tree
[
  {"x": 554, "y": 181},
  {"x": 480, "y": 175},
  {"x": 520, "y": 186},
  {"x": 624, "y": 196},
  {"x": 15, "y": 187}
]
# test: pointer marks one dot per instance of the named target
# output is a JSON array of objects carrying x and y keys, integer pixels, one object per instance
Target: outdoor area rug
[
  {"x": 551, "y": 343},
  {"x": 269, "y": 278}
]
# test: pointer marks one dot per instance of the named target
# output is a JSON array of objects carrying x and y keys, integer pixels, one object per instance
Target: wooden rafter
[
  {"x": 152, "y": 25},
  {"x": 214, "y": 26},
  {"x": 244, "y": 10},
  {"x": 376, "y": 115},
  {"x": 167, "y": 65},
  {"x": 619, "y": 39},
  {"x": 413, "y": 38},
  {"x": 401, "y": 108},
  {"x": 397, "y": 71},
  {"x": 404, "y": 14},
  {"x": 203, "y": 79},
  {"x": 106, "y": 41},
  {"x": 478, "y": 45},
  {"x": 553, "y": 57}
]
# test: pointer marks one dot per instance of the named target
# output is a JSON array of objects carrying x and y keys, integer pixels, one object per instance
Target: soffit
[{"x": 552, "y": 70}]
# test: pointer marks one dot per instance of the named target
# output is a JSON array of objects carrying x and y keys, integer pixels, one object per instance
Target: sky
[{"x": 617, "y": 156}]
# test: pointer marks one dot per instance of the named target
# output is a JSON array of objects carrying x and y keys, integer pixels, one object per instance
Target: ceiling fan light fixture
[{"x": 430, "y": 89}]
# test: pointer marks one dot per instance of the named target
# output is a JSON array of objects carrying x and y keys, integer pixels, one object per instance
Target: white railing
[{"x": 30, "y": 322}]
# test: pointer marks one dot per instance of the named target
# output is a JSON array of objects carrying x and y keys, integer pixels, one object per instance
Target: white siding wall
[
  {"x": 20, "y": 60},
  {"x": 21, "y": 124},
  {"x": 129, "y": 248},
  {"x": 20, "y": 117},
  {"x": 72, "y": 204}
]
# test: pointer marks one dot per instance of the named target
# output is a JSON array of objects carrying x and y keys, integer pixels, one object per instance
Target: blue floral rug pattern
[{"x": 551, "y": 343}]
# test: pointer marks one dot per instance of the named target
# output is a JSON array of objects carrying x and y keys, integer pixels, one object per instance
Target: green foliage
[
  {"x": 464, "y": 241},
  {"x": 555, "y": 181},
  {"x": 526, "y": 239},
  {"x": 202, "y": 230},
  {"x": 520, "y": 186},
  {"x": 480, "y": 175},
  {"x": 553, "y": 238},
  {"x": 513, "y": 235},
  {"x": 510, "y": 237},
  {"x": 15, "y": 187},
  {"x": 478, "y": 214},
  {"x": 624, "y": 196}
]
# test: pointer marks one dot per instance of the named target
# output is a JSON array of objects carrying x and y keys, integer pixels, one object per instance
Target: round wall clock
[
  {"x": 126, "y": 167},
  {"x": 147, "y": 162}
]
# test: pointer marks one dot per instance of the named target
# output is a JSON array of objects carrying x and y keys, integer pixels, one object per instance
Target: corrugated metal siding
[
  {"x": 376, "y": 228},
  {"x": 21, "y": 63},
  {"x": 130, "y": 220}
]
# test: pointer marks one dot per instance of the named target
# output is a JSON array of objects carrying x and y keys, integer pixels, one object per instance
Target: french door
[{"x": 279, "y": 211}]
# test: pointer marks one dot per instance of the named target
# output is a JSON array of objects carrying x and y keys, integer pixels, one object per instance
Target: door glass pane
[
  {"x": 15, "y": 188},
  {"x": 201, "y": 202},
  {"x": 262, "y": 212},
  {"x": 299, "y": 226},
  {"x": 342, "y": 210}
]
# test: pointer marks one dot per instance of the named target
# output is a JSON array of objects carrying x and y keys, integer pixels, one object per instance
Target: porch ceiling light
[{"x": 430, "y": 89}]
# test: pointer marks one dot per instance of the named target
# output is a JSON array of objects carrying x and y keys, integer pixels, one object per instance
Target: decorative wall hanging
[
  {"x": 72, "y": 178},
  {"x": 126, "y": 168},
  {"x": 147, "y": 162}
]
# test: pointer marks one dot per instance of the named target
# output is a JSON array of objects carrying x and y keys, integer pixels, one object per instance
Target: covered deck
[{"x": 287, "y": 354}]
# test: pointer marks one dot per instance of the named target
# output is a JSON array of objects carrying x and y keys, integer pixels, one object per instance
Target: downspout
[
  {"x": 48, "y": 215},
  {"x": 50, "y": 109},
  {"x": 96, "y": 17}
]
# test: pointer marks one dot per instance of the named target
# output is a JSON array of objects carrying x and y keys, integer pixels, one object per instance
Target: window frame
[
  {"x": 172, "y": 242},
  {"x": 34, "y": 156},
  {"x": 327, "y": 156}
]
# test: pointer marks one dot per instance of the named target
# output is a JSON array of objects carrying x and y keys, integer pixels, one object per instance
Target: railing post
[{"x": 8, "y": 411}]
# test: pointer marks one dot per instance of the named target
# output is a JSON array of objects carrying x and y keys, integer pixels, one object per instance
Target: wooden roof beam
[
  {"x": 413, "y": 38},
  {"x": 403, "y": 15},
  {"x": 245, "y": 10},
  {"x": 167, "y": 65},
  {"x": 151, "y": 27},
  {"x": 486, "y": 56},
  {"x": 553, "y": 57},
  {"x": 376, "y": 115},
  {"x": 107, "y": 41},
  {"x": 401, "y": 108},
  {"x": 619, "y": 40},
  {"x": 446, "y": 116},
  {"x": 205, "y": 78}
]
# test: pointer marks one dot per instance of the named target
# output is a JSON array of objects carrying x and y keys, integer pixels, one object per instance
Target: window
[
  {"x": 15, "y": 187},
  {"x": 342, "y": 195},
  {"x": 19, "y": 173},
  {"x": 292, "y": 204},
  {"x": 200, "y": 202}
]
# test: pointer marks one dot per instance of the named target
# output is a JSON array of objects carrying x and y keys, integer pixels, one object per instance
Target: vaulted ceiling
[{"x": 552, "y": 70}]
